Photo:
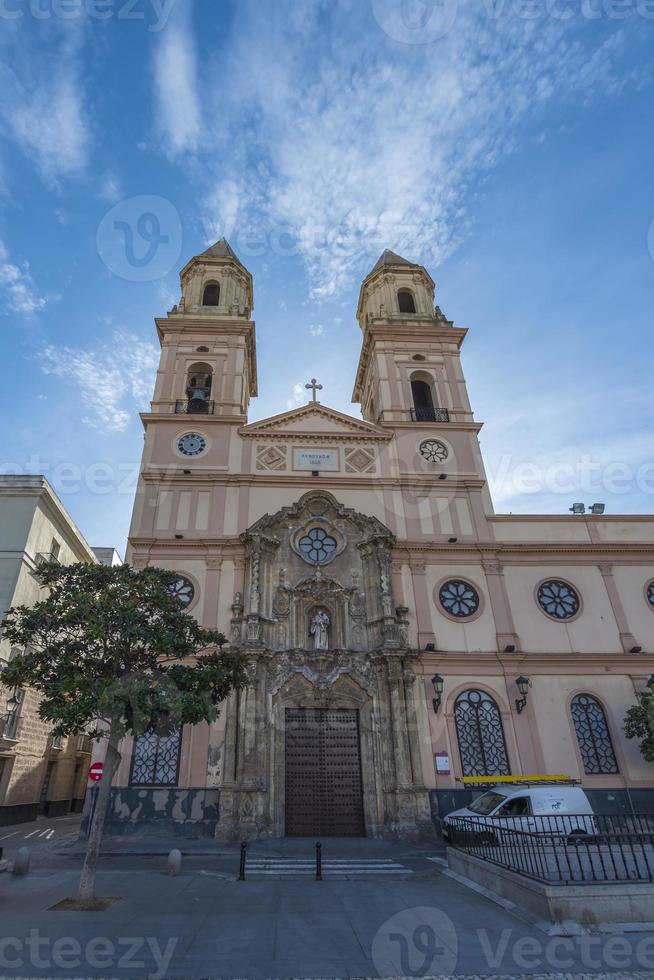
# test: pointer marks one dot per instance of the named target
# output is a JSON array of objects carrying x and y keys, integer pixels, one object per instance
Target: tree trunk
[{"x": 86, "y": 893}]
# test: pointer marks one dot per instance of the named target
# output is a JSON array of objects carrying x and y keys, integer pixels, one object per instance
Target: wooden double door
[{"x": 324, "y": 794}]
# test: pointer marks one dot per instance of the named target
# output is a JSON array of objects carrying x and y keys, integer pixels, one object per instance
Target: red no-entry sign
[{"x": 95, "y": 772}]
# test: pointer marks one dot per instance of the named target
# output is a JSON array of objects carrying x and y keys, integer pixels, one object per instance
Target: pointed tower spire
[
  {"x": 221, "y": 250},
  {"x": 388, "y": 258}
]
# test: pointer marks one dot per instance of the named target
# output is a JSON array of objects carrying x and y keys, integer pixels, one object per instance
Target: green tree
[
  {"x": 112, "y": 652},
  {"x": 639, "y": 723}
]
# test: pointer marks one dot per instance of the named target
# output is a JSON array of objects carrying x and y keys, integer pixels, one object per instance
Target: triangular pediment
[{"x": 315, "y": 419}]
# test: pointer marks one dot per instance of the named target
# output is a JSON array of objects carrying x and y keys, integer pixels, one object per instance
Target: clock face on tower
[{"x": 191, "y": 444}]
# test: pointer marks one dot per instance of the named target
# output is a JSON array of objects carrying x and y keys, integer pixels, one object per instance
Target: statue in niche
[{"x": 319, "y": 630}]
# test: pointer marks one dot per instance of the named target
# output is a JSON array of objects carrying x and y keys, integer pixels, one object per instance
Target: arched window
[
  {"x": 198, "y": 388},
  {"x": 423, "y": 399},
  {"x": 593, "y": 735},
  {"x": 480, "y": 735},
  {"x": 405, "y": 301},
  {"x": 211, "y": 295},
  {"x": 155, "y": 761}
]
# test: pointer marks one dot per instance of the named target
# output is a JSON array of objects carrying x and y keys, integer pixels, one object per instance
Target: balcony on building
[
  {"x": 9, "y": 728},
  {"x": 430, "y": 414},
  {"x": 84, "y": 745},
  {"x": 194, "y": 406}
]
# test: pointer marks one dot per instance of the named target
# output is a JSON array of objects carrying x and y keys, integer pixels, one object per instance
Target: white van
[{"x": 534, "y": 809}]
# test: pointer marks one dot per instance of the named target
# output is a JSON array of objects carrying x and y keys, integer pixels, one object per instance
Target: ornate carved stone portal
[{"x": 319, "y": 626}]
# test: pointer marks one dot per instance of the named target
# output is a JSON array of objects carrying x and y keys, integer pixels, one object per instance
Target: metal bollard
[
  {"x": 241, "y": 872},
  {"x": 21, "y": 861},
  {"x": 175, "y": 862},
  {"x": 318, "y": 861}
]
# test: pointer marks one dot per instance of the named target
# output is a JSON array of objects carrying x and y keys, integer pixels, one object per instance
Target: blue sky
[{"x": 505, "y": 144}]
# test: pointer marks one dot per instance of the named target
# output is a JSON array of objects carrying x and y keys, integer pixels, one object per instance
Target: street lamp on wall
[
  {"x": 438, "y": 683},
  {"x": 523, "y": 686}
]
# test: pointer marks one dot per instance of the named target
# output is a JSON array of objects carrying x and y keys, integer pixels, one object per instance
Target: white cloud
[
  {"x": 316, "y": 330},
  {"x": 222, "y": 208},
  {"x": 107, "y": 378},
  {"x": 110, "y": 188},
  {"x": 42, "y": 104},
  {"x": 298, "y": 397},
  {"x": 176, "y": 86},
  {"x": 20, "y": 291},
  {"x": 371, "y": 143}
]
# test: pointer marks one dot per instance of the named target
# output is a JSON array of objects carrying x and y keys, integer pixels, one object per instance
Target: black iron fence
[
  {"x": 194, "y": 406},
  {"x": 565, "y": 849},
  {"x": 430, "y": 415}
]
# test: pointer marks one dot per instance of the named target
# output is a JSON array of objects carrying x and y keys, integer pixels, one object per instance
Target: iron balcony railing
[
  {"x": 84, "y": 744},
  {"x": 45, "y": 556},
  {"x": 430, "y": 415},
  {"x": 564, "y": 849},
  {"x": 194, "y": 406},
  {"x": 9, "y": 725}
]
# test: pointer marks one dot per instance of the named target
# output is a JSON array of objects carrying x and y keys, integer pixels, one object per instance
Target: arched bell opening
[{"x": 199, "y": 382}]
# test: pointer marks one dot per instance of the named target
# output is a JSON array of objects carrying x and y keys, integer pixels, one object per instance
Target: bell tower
[
  {"x": 208, "y": 357},
  {"x": 409, "y": 369},
  {"x": 410, "y": 378}
]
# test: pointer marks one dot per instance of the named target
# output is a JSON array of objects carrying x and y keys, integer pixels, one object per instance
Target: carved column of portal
[
  {"x": 411, "y": 810},
  {"x": 243, "y": 799}
]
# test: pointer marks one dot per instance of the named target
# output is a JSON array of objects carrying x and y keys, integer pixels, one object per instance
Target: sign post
[{"x": 95, "y": 775}]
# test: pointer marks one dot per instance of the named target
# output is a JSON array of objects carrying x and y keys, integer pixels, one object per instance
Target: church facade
[{"x": 398, "y": 633}]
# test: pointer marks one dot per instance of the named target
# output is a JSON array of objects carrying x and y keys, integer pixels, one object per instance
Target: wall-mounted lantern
[
  {"x": 523, "y": 687},
  {"x": 438, "y": 683}
]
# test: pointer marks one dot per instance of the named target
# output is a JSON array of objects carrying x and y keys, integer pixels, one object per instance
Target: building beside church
[
  {"x": 385, "y": 611},
  {"x": 40, "y": 774}
]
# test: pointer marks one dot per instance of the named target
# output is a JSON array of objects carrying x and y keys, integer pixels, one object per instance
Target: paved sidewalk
[{"x": 204, "y": 924}]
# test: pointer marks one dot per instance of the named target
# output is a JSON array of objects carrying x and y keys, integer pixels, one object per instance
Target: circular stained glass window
[
  {"x": 434, "y": 451},
  {"x": 459, "y": 598},
  {"x": 316, "y": 545},
  {"x": 558, "y": 599},
  {"x": 183, "y": 589},
  {"x": 650, "y": 593}
]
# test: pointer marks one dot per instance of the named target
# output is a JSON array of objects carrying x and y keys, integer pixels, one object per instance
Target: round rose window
[
  {"x": 558, "y": 599},
  {"x": 434, "y": 451},
  {"x": 316, "y": 545},
  {"x": 459, "y": 598},
  {"x": 182, "y": 588}
]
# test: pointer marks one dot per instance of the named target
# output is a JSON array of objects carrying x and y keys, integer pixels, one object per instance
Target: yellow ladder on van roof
[{"x": 515, "y": 780}]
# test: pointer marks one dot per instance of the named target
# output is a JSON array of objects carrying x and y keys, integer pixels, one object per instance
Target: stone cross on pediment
[{"x": 315, "y": 387}]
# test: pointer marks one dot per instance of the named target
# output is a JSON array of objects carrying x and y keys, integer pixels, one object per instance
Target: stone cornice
[
  {"x": 584, "y": 663},
  {"x": 433, "y": 427},
  {"x": 524, "y": 553},
  {"x": 220, "y": 476},
  {"x": 189, "y": 420}
]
